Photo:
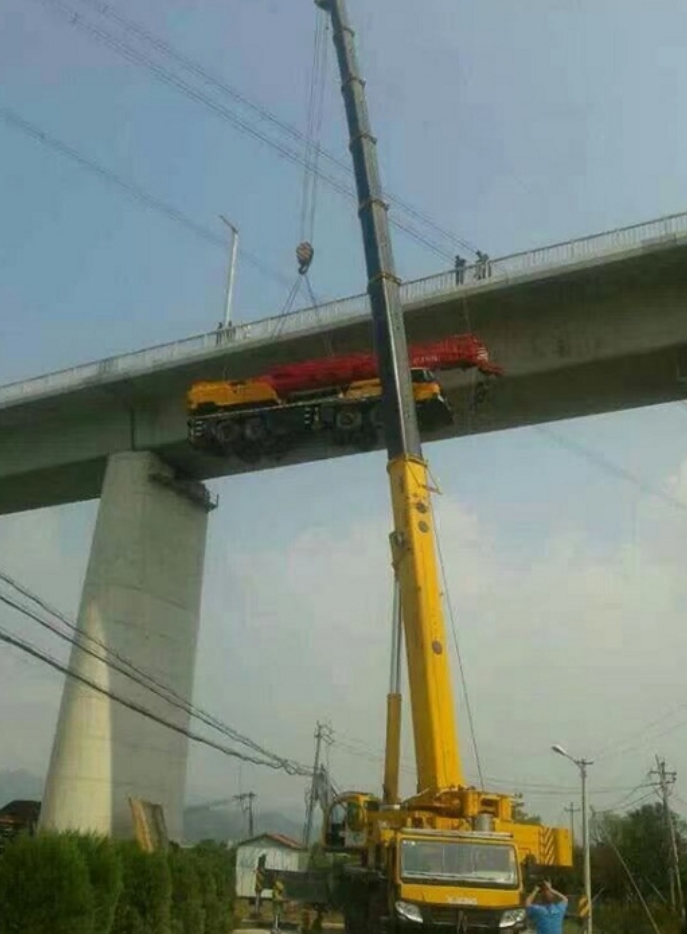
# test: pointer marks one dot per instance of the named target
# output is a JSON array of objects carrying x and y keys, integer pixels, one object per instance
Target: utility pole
[
  {"x": 246, "y": 801},
  {"x": 572, "y": 810},
  {"x": 665, "y": 782},
  {"x": 323, "y": 734},
  {"x": 583, "y": 765}
]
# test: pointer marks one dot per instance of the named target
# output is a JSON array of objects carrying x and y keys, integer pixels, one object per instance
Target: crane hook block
[{"x": 304, "y": 255}]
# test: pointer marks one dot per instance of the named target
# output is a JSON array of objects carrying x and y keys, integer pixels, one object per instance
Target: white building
[{"x": 280, "y": 852}]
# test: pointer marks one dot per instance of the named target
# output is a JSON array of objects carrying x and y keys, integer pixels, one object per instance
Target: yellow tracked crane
[{"x": 451, "y": 857}]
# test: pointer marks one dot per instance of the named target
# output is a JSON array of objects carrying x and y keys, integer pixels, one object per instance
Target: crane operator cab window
[
  {"x": 336, "y": 826},
  {"x": 473, "y": 863},
  {"x": 345, "y": 828}
]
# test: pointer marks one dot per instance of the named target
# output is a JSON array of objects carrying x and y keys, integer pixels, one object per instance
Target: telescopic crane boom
[
  {"x": 451, "y": 857},
  {"x": 412, "y": 540}
]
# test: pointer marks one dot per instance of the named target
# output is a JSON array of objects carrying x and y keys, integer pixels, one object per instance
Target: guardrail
[{"x": 267, "y": 330}]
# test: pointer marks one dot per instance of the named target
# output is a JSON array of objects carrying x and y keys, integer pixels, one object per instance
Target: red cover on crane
[{"x": 462, "y": 351}]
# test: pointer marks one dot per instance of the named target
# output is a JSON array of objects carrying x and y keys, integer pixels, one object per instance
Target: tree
[
  {"x": 521, "y": 816},
  {"x": 640, "y": 839}
]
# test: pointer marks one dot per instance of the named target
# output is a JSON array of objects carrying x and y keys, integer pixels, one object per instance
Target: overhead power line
[
  {"x": 31, "y": 650},
  {"x": 177, "y": 81},
  {"x": 16, "y": 122},
  {"x": 119, "y": 663},
  {"x": 220, "y": 84},
  {"x": 600, "y": 460}
]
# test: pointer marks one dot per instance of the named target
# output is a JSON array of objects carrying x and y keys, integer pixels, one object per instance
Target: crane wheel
[
  {"x": 255, "y": 429},
  {"x": 227, "y": 432},
  {"x": 348, "y": 419},
  {"x": 376, "y": 416}
]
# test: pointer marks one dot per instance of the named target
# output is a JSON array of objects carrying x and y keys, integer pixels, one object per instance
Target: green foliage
[
  {"x": 521, "y": 815},
  {"x": 45, "y": 887},
  {"x": 615, "y": 918},
  {"x": 106, "y": 877},
  {"x": 215, "y": 866},
  {"x": 145, "y": 904},
  {"x": 188, "y": 911},
  {"x": 75, "y": 884},
  {"x": 640, "y": 838}
]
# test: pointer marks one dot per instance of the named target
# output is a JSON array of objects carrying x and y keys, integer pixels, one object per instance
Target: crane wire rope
[
  {"x": 213, "y": 80},
  {"x": 456, "y": 643},
  {"x": 175, "y": 80},
  {"x": 132, "y": 672},
  {"x": 313, "y": 144},
  {"x": 314, "y": 126}
]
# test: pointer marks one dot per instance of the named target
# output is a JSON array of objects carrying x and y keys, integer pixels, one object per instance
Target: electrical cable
[
  {"x": 136, "y": 674},
  {"x": 150, "y": 684},
  {"x": 599, "y": 460},
  {"x": 607, "y": 839},
  {"x": 14, "y": 121},
  {"x": 174, "y": 80},
  {"x": 131, "y": 705},
  {"x": 213, "y": 80}
]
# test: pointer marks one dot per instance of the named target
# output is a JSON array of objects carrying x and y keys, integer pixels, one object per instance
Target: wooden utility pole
[
  {"x": 323, "y": 734},
  {"x": 572, "y": 810},
  {"x": 246, "y": 801},
  {"x": 665, "y": 781}
]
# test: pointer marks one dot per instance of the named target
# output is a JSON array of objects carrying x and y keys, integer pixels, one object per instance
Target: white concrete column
[{"x": 141, "y": 598}]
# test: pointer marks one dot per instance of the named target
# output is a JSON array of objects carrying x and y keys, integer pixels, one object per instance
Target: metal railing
[{"x": 331, "y": 314}]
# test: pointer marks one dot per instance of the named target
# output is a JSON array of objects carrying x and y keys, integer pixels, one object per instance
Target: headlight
[
  {"x": 409, "y": 912},
  {"x": 512, "y": 916}
]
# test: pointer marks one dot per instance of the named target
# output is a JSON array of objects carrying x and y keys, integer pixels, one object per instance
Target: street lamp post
[
  {"x": 231, "y": 270},
  {"x": 582, "y": 765}
]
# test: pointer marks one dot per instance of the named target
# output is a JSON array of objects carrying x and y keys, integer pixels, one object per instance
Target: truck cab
[{"x": 443, "y": 880}]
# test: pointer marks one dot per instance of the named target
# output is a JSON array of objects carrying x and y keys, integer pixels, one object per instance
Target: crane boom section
[
  {"x": 400, "y": 420},
  {"x": 415, "y": 563},
  {"x": 413, "y": 545}
]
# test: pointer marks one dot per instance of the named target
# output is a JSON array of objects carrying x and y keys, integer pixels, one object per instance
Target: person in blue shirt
[{"x": 546, "y": 909}]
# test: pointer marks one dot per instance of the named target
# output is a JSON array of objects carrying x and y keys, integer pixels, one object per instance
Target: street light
[
  {"x": 582, "y": 765},
  {"x": 232, "y": 268}
]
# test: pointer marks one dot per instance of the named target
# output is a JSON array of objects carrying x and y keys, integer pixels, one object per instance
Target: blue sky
[{"x": 511, "y": 126}]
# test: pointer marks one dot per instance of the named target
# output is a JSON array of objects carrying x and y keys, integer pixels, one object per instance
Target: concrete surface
[
  {"x": 604, "y": 334},
  {"x": 141, "y": 599}
]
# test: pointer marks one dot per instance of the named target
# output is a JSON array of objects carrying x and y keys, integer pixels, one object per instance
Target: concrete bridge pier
[{"x": 141, "y": 599}]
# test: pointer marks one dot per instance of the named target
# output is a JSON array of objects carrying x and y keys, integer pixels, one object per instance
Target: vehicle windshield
[{"x": 474, "y": 863}]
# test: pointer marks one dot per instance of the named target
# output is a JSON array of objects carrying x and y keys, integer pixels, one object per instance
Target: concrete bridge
[{"x": 591, "y": 325}]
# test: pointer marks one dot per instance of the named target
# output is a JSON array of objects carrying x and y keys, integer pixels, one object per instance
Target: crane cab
[{"x": 346, "y": 822}]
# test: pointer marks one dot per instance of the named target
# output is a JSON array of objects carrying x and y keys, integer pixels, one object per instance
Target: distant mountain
[
  {"x": 225, "y": 825},
  {"x": 18, "y": 784},
  {"x": 206, "y": 824}
]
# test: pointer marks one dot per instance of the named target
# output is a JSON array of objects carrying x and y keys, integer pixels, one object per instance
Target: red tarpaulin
[{"x": 461, "y": 350}]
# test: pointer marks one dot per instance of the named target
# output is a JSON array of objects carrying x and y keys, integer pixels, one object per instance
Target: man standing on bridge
[{"x": 547, "y": 916}]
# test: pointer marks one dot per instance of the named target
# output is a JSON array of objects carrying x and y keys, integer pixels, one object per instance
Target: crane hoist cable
[
  {"x": 313, "y": 135},
  {"x": 305, "y": 251},
  {"x": 456, "y": 643}
]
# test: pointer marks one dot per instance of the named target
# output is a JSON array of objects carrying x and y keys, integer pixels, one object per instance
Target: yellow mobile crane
[{"x": 451, "y": 856}]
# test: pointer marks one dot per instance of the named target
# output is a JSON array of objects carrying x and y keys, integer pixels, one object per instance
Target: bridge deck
[{"x": 591, "y": 326}]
